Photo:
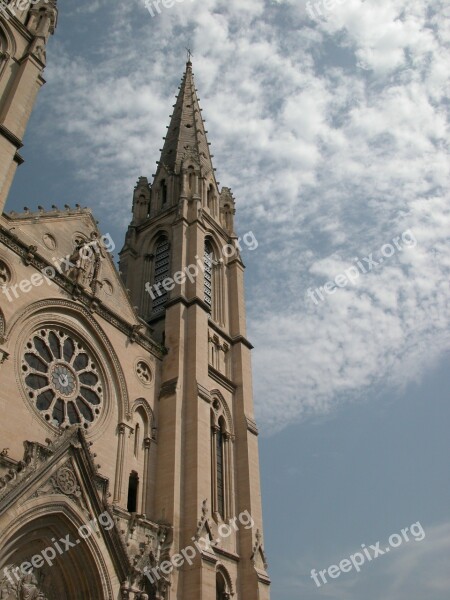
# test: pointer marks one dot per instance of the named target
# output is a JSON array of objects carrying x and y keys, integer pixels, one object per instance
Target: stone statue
[
  {"x": 28, "y": 590},
  {"x": 8, "y": 586},
  {"x": 86, "y": 262},
  {"x": 24, "y": 589}
]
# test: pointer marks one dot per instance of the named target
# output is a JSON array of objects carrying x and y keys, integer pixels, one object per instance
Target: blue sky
[{"x": 331, "y": 127}]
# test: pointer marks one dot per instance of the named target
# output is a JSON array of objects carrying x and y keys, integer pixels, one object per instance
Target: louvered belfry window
[
  {"x": 208, "y": 262},
  {"x": 162, "y": 271}
]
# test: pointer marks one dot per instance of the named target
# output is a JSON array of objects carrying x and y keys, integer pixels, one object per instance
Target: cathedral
[{"x": 128, "y": 447}]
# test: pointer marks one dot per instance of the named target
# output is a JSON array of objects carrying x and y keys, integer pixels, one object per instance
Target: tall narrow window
[
  {"x": 210, "y": 200},
  {"x": 162, "y": 271},
  {"x": 220, "y": 473},
  {"x": 220, "y": 587},
  {"x": 163, "y": 192},
  {"x": 133, "y": 486},
  {"x": 137, "y": 441},
  {"x": 208, "y": 287},
  {"x": 191, "y": 179}
]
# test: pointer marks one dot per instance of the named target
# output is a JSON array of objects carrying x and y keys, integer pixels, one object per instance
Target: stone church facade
[{"x": 128, "y": 448}]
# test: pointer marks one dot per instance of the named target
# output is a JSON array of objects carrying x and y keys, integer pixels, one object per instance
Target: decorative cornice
[
  {"x": 221, "y": 379},
  {"x": 231, "y": 555},
  {"x": 209, "y": 558},
  {"x": 18, "y": 159},
  {"x": 188, "y": 303},
  {"x": 168, "y": 388},
  {"x": 11, "y": 137},
  {"x": 251, "y": 426},
  {"x": 204, "y": 393},
  {"x": 239, "y": 339},
  {"x": 263, "y": 577}
]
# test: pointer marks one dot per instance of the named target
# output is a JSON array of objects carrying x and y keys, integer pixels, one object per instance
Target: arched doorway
[{"x": 69, "y": 567}]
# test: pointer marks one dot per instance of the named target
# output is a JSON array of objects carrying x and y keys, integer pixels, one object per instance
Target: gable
[{"x": 54, "y": 236}]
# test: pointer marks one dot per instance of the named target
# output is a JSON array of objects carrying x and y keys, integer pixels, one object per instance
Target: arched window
[
  {"x": 161, "y": 272},
  {"x": 221, "y": 461},
  {"x": 208, "y": 286},
  {"x": 139, "y": 461},
  {"x": 221, "y": 589},
  {"x": 133, "y": 488},
  {"x": 220, "y": 474}
]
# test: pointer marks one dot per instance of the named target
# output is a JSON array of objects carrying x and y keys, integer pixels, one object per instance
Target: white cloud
[{"x": 327, "y": 161}]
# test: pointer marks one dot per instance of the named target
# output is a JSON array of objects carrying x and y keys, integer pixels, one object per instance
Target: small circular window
[
  {"x": 62, "y": 379},
  {"x": 5, "y": 273},
  {"x": 144, "y": 372}
]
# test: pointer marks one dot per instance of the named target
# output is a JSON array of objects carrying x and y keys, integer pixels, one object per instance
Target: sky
[{"x": 329, "y": 120}]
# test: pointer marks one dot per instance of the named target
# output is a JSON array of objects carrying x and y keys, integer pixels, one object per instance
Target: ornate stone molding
[
  {"x": 168, "y": 388},
  {"x": 216, "y": 394},
  {"x": 64, "y": 481},
  {"x": 203, "y": 393},
  {"x": 251, "y": 426},
  {"x": 221, "y": 379},
  {"x": 31, "y": 257}
]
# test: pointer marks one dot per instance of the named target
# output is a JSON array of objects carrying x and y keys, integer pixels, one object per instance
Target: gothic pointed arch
[
  {"x": 224, "y": 583},
  {"x": 141, "y": 405},
  {"x": 56, "y": 501},
  {"x": 139, "y": 460},
  {"x": 79, "y": 571},
  {"x": 7, "y": 41},
  {"x": 220, "y": 406},
  {"x": 222, "y": 438}
]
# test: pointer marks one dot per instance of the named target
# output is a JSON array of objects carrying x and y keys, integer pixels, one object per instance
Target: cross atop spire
[{"x": 189, "y": 55}]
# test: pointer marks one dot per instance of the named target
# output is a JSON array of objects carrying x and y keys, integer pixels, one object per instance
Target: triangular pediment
[
  {"x": 55, "y": 237},
  {"x": 65, "y": 468}
]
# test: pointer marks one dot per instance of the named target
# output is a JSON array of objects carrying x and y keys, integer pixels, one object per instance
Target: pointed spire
[{"x": 186, "y": 134}]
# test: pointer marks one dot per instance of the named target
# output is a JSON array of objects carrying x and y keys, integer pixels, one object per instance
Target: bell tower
[
  {"x": 182, "y": 266},
  {"x": 24, "y": 33}
]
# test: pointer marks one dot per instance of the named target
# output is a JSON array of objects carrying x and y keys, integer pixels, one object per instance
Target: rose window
[{"x": 62, "y": 379}]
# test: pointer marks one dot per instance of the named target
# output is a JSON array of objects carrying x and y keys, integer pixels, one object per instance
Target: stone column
[
  {"x": 119, "y": 463},
  {"x": 214, "y": 502},
  {"x": 146, "y": 477}
]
